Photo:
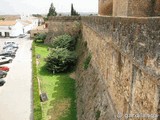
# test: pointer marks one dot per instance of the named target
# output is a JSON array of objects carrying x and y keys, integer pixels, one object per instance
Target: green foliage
[
  {"x": 2, "y": 18},
  {"x": 98, "y": 113},
  {"x": 37, "y": 15},
  {"x": 36, "y": 97},
  {"x": 52, "y": 11},
  {"x": 64, "y": 41},
  {"x": 60, "y": 89},
  {"x": 40, "y": 37},
  {"x": 87, "y": 61},
  {"x": 60, "y": 60},
  {"x": 73, "y": 11}
]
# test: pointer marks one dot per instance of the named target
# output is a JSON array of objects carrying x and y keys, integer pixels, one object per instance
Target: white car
[
  {"x": 4, "y": 59},
  {"x": 10, "y": 50},
  {"x": 10, "y": 44}
]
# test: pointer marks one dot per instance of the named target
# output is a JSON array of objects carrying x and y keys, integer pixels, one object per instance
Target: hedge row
[{"x": 36, "y": 98}]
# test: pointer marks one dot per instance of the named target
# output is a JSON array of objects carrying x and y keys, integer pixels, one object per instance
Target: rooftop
[{"x": 7, "y": 23}]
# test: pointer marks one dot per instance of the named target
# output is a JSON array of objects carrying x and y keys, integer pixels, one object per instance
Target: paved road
[{"x": 16, "y": 94}]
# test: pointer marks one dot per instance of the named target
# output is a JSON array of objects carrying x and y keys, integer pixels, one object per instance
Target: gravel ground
[{"x": 16, "y": 94}]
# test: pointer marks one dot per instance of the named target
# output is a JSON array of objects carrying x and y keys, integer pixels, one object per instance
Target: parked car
[
  {"x": 4, "y": 59},
  {"x": 3, "y": 74},
  {"x": 8, "y": 54},
  {"x": 22, "y": 35},
  {"x": 2, "y": 82},
  {"x": 4, "y": 68},
  {"x": 10, "y": 50},
  {"x": 10, "y": 45}
]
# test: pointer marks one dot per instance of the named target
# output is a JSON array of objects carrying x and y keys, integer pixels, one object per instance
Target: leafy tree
[
  {"x": 64, "y": 41},
  {"x": 73, "y": 11},
  {"x": 60, "y": 60},
  {"x": 52, "y": 11}
]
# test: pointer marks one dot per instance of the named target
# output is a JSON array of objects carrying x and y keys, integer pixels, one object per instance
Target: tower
[
  {"x": 136, "y": 8},
  {"x": 105, "y": 7}
]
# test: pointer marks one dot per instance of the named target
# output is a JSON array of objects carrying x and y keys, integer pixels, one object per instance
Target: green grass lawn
[{"x": 60, "y": 89}]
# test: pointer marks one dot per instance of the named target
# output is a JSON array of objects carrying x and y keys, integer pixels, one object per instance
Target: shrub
[
  {"x": 60, "y": 60},
  {"x": 36, "y": 97},
  {"x": 40, "y": 37},
  {"x": 64, "y": 41},
  {"x": 87, "y": 61},
  {"x": 98, "y": 113}
]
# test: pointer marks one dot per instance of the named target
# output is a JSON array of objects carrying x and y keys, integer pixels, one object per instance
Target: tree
[
  {"x": 40, "y": 37},
  {"x": 64, "y": 41},
  {"x": 73, "y": 11},
  {"x": 60, "y": 60},
  {"x": 52, "y": 11}
]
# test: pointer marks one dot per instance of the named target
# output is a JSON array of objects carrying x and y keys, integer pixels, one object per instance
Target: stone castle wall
[
  {"x": 138, "y": 8},
  {"x": 63, "y": 25},
  {"x": 124, "y": 72}
]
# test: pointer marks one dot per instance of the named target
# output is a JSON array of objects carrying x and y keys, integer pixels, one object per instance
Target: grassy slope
[{"x": 60, "y": 89}]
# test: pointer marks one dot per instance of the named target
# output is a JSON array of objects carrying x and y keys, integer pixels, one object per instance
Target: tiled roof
[{"x": 7, "y": 23}]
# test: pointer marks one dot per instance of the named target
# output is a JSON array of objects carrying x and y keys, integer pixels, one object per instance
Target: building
[
  {"x": 10, "y": 28},
  {"x": 43, "y": 29},
  {"x": 15, "y": 27}
]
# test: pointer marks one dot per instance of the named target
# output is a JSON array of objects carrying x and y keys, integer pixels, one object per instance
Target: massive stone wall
[
  {"x": 138, "y": 8},
  {"x": 124, "y": 71}
]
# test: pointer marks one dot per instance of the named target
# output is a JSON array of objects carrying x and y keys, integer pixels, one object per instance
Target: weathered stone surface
[
  {"x": 137, "y": 8},
  {"x": 124, "y": 72},
  {"x": 105, "y": 7},
  {"x": 157, "y": 8},
  {"x": 63, "y": 25},
  {"x": 130, "y": 79}
]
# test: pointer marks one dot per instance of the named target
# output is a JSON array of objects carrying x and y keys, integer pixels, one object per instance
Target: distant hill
[{"x": 81, "y": 13}]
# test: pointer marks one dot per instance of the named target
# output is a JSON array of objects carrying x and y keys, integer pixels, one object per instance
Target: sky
[{"x": 42, "y": 6}]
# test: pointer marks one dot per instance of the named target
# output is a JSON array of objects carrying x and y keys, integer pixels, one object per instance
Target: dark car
[
  {"x": 8, "y": 54},
  {"x": 2, "y": 82},
  {"x": 3, "y": 74}
]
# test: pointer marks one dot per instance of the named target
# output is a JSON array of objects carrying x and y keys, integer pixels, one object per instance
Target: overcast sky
[{"x": 42, "y": 6}]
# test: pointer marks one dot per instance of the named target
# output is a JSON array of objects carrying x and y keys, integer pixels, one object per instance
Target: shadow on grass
[
  {"x": 44, "y": 72},
  {"x": 64, "y": 104},
  {"x": 40, "y": 44}
]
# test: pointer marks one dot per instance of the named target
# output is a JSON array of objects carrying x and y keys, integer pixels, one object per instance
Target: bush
[
  {"x": 36, "y": 97},
  {"x": 64, "y": 41},
  {"x": 40, "y": 37},
  {"x": 87, "y": 61},
  {"x": 60, "y": 60}
]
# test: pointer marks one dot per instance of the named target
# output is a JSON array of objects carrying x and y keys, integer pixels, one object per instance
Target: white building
[
  {"x": 10, "y": 28},
  {"x": 27, "y": 25},
  {"x": 14, "y": 28}
]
